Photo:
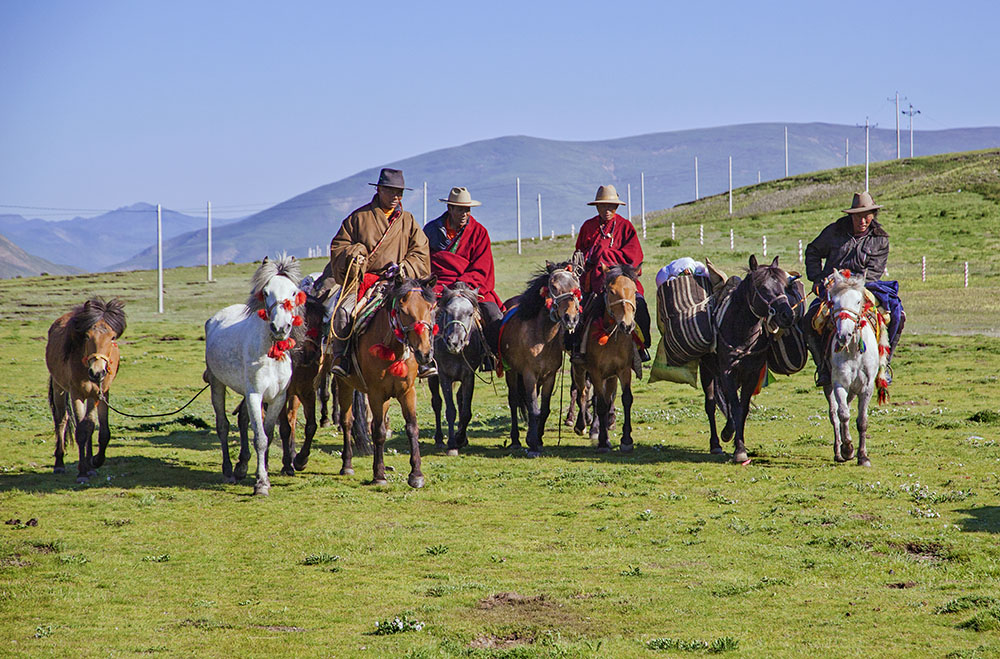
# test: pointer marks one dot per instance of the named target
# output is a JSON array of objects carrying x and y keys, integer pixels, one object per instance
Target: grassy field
[{"x": 666, "y": 551}]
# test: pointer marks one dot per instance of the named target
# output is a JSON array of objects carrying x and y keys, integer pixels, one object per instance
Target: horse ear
[
  {"x": 549, "y": 265},
  {"x": 429, "y": 282},
  {"x": 774, "y": 263},
  {"x": 264, "y": 261},
  {"x": 753, "y": 261}
]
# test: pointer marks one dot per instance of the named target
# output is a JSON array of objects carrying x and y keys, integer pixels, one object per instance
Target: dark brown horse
[
  {"x": 531, "y": 344},
  {"x": 82, "y": 358},
  {"x": 307, "y": 356},
  {"x": 385, "y": 357},
  {"x": 609, "y": 355}
]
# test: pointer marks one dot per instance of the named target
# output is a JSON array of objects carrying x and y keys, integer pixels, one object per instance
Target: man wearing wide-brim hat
[
  {"x": 855, "y": 242},
  {"x": 376, "y": 236},
  {"x": 606, "y": 240}
]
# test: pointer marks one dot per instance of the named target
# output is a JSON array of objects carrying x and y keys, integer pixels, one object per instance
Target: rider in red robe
[{"x": 606, "y": 240}]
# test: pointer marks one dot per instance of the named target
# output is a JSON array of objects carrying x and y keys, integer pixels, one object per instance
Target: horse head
[
  {"x": 458, "y": 311},
  {"x": 846, "y": 297},
  {"x": 562, "y": 295},
  {"x": 411, "y": 315},
  {"x": 275, "y": 295},
  {"x": 620, "y": 292},
  {"x": 96, "y": 326},
  {"x": 769, "y": 302}
]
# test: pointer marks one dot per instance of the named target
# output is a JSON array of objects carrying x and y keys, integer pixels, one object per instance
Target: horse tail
[
  {"x": 360, "y": 430},
  {"x": 881, "y": 379},
  {"x": 52, "y": 402}
]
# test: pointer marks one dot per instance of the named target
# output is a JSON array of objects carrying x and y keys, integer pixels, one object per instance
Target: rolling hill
[{"x": 15, "y": 262}]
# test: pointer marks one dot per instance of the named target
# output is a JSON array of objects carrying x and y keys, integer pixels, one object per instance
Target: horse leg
[
  {"x": 545, "y": 405},
  {"x": 863, "y": 401},
  {"x": 378, "y": 407},
  {"x": 834, "y": 413},
  {"x": 254, "y": 403},
  {"x": 708, "y": 387},
  {"x": 85, "y": 417},
  {"x": 602, "y": 405},
  {"x": 434, "y": 384},
  {"x": 625, "y": 376},
  {"x": 571, "y": 412},
  {"x": 844, "y": 418},
  {"x": 450, "y": 411},
  {"x": 408, "y": 402},
  {"x": 60, "y": 418},
  {"x": 578, "y": 397},
  {"x": 513, "y": 402},
  {"x": 733, "y": 395},
  {"x": 243, "y": 417},
  {"x": 103, "y": 431},
  {"x": 222, "y": 424},
  {"x": 345, "y": 399},
  {"x": 286, "y": 428},
  {"x": 530, "y": 397},
  {"x": 324, "y": 400},
  {"x": 465, "y": 389},
  {"x": 308, "y": 400}
]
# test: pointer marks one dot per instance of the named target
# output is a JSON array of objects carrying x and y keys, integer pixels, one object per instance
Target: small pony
[
  {"x": 531, "y": 343},
  {"x": 246, "y": 349},
  {"x": 858, "y": 353},
  {"x": 82, "y": 357},
  {"x": 609, "y": 356},
  {"x": 459, "y": 347}
]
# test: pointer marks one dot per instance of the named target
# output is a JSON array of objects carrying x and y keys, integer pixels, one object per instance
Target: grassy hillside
[
  {"x": 15, "y": 262},
  {"x": 663, "y": 551}
]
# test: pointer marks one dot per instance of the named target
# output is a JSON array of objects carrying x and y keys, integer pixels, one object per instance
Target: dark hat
[
  {"x": 391, "y": 178},
  {"x": 862, "y": 203}
]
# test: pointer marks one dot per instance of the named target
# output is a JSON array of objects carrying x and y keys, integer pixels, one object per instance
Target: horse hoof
[
  {"x": 415, "y": 482},
  {"x": 741, "y": 457},
  {"x": 300, "y": 465},
  {"x": 82, "y": 480},
  {"x": 452, "y": 452},
  {"x": 346, "y": 471},
  {"x": 727, "y": 433},
  {"x": 240, "y": 472},
  {"x": 380, "y": 481},
  {"x": 716, "y": 450},
  {"x": 532, "y": 453},
  {"x": 59, "y": 470},
  {"x": 97, "y": 461},
  {"x": 839, "y": 458},
  {"x": 287, "y": 471},
  {"x": 439, "y": 445},
  {"x": 261, "y": 490},
  {"x": 91, "y": 473},
  {"x": 847, "y": 451},
  {"x": 627, "y": 448},
  {"x": 323, "y": 423},
  {"x": 864, "y": 462},
  {"x": 231, "y": 480},
  {"x": 604, "y": 449}
]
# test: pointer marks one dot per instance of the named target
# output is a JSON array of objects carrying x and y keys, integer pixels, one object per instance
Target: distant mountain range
[
  {"x": 15, "y": 262},
  {"x": 97, "y": 243},
  {"x": 566, "y": 174}
]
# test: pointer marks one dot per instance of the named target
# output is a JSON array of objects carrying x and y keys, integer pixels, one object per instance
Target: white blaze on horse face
[
  {"x": 458, "y": 324},
  {"x": 848, "y": 310},
  {"x": 563, "y": 288},
  {"x": 279, "y": 291}
]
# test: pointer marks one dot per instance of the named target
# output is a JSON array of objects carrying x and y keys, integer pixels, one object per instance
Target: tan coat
[{"x": 405, "y": 244}]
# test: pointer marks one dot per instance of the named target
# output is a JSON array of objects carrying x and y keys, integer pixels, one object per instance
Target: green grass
[{"x": 575, "y": 554}]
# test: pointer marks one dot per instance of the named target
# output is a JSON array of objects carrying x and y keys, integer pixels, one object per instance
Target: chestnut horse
[
  {"x": 385, "y": 357},
  {"x": 609, "y": 355},
  {"x": 531, "y": 346},
  {"x": 82, "y": 358},
  {"x": 306, "y": 361}
]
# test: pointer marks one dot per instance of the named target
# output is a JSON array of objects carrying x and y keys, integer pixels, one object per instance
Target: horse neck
[{"x": 740, "y": 316}]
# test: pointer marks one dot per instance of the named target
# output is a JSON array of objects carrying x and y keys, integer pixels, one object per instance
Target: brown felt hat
[
  {"x": 862, "y": 203},
  {"x": 606, "y": 194},
  {"x": 460, "y": 197}
]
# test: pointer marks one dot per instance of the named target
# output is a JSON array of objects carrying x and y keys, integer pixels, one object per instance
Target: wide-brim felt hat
[
  {"x": 606, "y": 194},
  {"x": 460, "y": 197},
  {"x": 391, "y": 178},
  {"x": 862, "y": 203}
]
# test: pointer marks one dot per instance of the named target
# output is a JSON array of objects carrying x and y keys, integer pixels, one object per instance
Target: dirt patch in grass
[
  {"x": 279, "y": 628},
  {"x": 928, "y": 551},
  {"x": 513, "y": 610},
  {"x": 515, "y": 600},
  {"x": 902, "y": 584},
  {"x": 14, "y": 560},
  {"x": 505, "y": 642}
]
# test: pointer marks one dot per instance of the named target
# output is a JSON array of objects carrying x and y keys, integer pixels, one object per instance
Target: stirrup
[
  {"x": 426, "y": 370},
  {"x": 644, "y": 355},
  {"x": 341, "y": 366}
]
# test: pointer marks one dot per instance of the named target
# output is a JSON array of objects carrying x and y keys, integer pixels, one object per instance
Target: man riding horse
[
  {"x": 461, "y": 251},
  {"x": 378, "y": 238},
  {"x": 604, "y": 241},
  {"x": 855, "y": 242}
]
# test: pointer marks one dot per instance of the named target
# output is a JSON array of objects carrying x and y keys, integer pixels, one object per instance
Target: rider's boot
[
  {"x": 338, "y": 348},
  {"x": 815, "y": 344},
  {"x": 427, "y": 370}
]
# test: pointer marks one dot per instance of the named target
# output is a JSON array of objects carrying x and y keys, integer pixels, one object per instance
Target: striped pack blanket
[
  {"x": 788, "y": 353},
  {"x": 684, "y": 317}
]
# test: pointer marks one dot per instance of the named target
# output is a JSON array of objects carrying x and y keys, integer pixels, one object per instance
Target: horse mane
[
  {"x": 88, "y": 314},
  {"x": 284, "y": 266},
  {"x": 459, "y": 289},
  {"x": 403, "y": 285},
  {"x": 620, "y": 269},
  {"x": 531, "y": 302},
  {"x": 855, "y": 282}
]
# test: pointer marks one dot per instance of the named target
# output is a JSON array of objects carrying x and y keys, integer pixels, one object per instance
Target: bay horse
[
  {"x": 858, "y": 356},
  {"x": 82, "y": 358},
  {"x": 609, "y": 353},
  {"x": 246, "y": 349},
  {"x": 748, "y": 317},
  {"x": 531, "y": 343},
  {"x": 385, "y": 357},
  {"x": 459, "y": 348}
]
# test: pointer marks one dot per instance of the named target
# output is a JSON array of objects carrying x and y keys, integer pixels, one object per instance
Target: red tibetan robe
[
  {"x": 466, "y": 257},
  {"x": 607, "y": 244}
]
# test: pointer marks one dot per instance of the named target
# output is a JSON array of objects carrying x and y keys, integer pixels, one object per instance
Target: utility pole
[
  {"x": 159, "y": 258},
  {"x": 897, "y": 125},
  {"x": 730, "y": 185},
  {"x": 910, "y": 113},
  {"x": 642, "y": 195},
  {"x": 786, "y": 155},
  {"x": 539, "y": 217},
  {"x": 847, "y": 152},
  {"x": 425, "y": 203},
  {"x": 209, "y": 241},
  {"x": 696, "y": 195},
  {"x": 628, "y": 199},
  {"x": 517, "y": 182},
  {"x": 866, "y": 154}
]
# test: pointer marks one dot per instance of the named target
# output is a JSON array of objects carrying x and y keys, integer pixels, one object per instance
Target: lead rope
[{"x": 104, "y": 400}]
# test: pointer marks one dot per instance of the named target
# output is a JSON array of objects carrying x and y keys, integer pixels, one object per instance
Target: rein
[{"x": 103, "y": 398}]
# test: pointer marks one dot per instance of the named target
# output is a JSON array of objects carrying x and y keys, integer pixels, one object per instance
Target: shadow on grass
[{"x": 982, "y": 518}]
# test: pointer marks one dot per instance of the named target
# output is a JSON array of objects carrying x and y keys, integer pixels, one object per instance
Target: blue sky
[{"x": 249, "y": 103}]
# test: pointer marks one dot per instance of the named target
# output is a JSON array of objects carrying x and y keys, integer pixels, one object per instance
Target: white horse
[
  {"x": 245, "y": 350},
  {"x": 858, "y": 362}
]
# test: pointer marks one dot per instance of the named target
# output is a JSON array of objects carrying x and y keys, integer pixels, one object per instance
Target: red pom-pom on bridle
[
  {"x": 297, "y": 321},
  {"x": 262, "y": 313}
]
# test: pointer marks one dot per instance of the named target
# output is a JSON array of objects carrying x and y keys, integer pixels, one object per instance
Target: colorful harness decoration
[
  {"x": 279, "y": 348},
  {"x": 381, "y": 351}
]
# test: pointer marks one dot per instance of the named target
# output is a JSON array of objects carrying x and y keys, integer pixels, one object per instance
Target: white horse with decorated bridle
[
  {"x": 858, "y": 353},
  {"x": 246, "y": 348}
]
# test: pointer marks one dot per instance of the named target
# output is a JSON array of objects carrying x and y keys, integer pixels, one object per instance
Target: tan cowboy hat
[
  {"x": 460, "y": 197},
  {"x": 863, "y": 203},
  {"x": 606, "y": 194}
]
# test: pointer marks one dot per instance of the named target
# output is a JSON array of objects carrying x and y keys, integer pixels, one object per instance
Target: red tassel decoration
[
  {"x": 300, "y": 299},
  {"x": 297, "y": 321},
  {"x": 434, "y": 329},
  {"x": 262, "y": 313},
  {"x": 260, "y": 295},
  {"x": 548, "y": 303},
  {"x": 312, "y": 333},
  {"x": 382, "y": 351},
  {"x": 577, "y": 294},
  {"x": 399, "y": 334},
  {"x": 603, "y": 340},
  {"x": 544, "y": 292},
  {"x": 287, "y": 304},
  {"x": 419, "y": 328},
  {"x": 398, "y": 369}
]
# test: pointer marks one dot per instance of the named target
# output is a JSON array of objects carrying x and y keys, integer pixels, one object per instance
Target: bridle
[
  {"x": 552, "y": 301},
  {"x": 401, "y": 331},
  {"x": 467, "y": 329}
]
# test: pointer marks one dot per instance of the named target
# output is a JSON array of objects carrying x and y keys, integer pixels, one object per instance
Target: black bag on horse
[
  {"x": 683, "y": 303},
  {"x": 789, "y": 354}
]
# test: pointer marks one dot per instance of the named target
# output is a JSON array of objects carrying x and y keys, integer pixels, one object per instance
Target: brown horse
[
  {"x": 531, "y": 344},
  {"x": 306, "y": 365},
  {"x": 609, "y": 355},
  {"x": 82, "y": 358},
  {"x": 385, "y": 357}
]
